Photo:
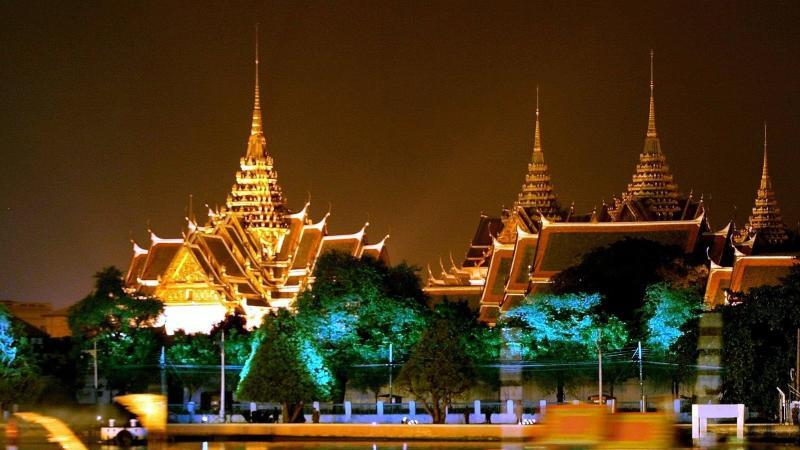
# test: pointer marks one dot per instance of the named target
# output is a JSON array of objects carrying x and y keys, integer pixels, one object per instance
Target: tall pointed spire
[
  {"x": 651, "y": 120},
  {"x": 766, "y": 182},
  {"x": 537, "y": 137},
  {"x": 257, "y": 143},
  {"x": 537, "y": 192},
  {"x": 256, "y": 198},
  {"x": 766, "y": 221},
  {"x": 652, "y": 183}
]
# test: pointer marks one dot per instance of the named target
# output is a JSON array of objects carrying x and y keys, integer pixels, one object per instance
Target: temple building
[
  {"x": 252, "y": 255},
  {"x": 520, "y": 251},
  {"x": 760, "y": 253}
]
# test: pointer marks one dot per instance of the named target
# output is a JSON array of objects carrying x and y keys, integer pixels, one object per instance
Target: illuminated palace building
[
  {"x": 519, "y": 252},
  {"x": 252, "y": 255}
]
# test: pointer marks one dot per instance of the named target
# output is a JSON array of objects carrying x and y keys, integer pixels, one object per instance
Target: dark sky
[{"x": 415, "y": 116}]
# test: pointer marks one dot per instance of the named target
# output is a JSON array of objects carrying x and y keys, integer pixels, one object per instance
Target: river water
[{"x": 338, "y": 445}]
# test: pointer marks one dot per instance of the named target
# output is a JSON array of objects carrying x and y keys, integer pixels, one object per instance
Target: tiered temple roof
[
  {"x": 253, "y": 255},
  {"x": 652, "y": 185},
  {"x": 523, "y": 249},
  {"x": 537, "y": 194},
  {"x": 766, "y": 222},
  {"x": 256, "y": 197},
  {"x": 758, "y": 254}
]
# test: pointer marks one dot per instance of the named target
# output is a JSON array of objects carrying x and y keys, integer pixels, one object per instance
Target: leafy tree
[
  {"x": 621, "y": 273},
  {"x": 759, "y": 344},
  {"x": 355, "y": 310},
  {"x": 563, "y": 330},
  {"x": 440, "y": 366},
  {"x": 122, "y": 327},
  {"x": 666, "y": 310},
  {"x": 284, "y": 366},
  {"x": 189, "y": 355},
  {"x": 20, "y": 379}
]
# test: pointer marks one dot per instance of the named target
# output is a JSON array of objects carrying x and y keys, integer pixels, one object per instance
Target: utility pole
[
  {"x": 599, "y": 368},
  {"x": 162, "y": 365},
  {"x": 642, "y": 405},
  {"x": 797, "y": 365},
  {"x": 391, "y": 361},
  {"x": 222, "y": 378},
  {"x": 93, "y": 353}
]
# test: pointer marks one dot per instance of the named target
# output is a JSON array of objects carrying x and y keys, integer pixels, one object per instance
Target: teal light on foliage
[
  {"x": 8, "y": 351},
  {"x": 255, "y": 342},
  {"x": 669, "y": 309},
  {"x": 315, "y": 364}
]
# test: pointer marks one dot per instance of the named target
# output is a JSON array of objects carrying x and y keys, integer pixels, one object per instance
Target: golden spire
[
  {"x": 256, "y": 197},
  {"x": 537, "y": 138},
  {"x": 651, "y": 121},
  {"x": 257, "y": 143},
  {"x": 766, "y": 182},
  {"x": 652, "y": 182},
  {"x": 766, "y": 221},
  {"x": 537, "y": 192}
]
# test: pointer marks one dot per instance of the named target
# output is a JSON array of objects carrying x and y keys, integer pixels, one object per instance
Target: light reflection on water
[{"x": 341, "y": 445}]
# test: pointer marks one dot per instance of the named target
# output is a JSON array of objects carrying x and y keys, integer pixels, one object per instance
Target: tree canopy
[
  {"x": 121, "y": 326},
  {"x": 284, "y": 366},
  {"x": 621, "y": 273},
  {"x": 442, "y": 364},
  {"x": 759, "y": 344},
  {"x": 355, "y": 310}
]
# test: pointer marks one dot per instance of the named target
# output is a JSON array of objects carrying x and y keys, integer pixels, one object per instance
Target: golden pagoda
[
  {"x": 537, "y": 194},
  {"x": 256, "y": 198},
  {"x": 652, "y": 185},
  {"x": 766, "y": 222},
  {"x": 251, "y": 256},
  {"x": 522, "y": 250}
]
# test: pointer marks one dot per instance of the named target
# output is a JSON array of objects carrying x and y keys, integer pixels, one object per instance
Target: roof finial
[
  {"x": 257, "y": 126},
  {"x": 537, "y": 137},
  {"x": 651, "y": 122},
  {"x": 764, "y": 169}
]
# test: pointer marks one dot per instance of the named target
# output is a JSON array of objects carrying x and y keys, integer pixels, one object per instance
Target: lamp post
[
  {"x": 222, "y": 378},
  {"x": 391, "y": 360},
  {"x": 93, "y": 353},
  {"x": 599, "y": 368}
]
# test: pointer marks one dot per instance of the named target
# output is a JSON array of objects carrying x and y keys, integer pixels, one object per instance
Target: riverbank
[
  {"x": 355, "y": 431},
  {"x": 428, "y": 432}
]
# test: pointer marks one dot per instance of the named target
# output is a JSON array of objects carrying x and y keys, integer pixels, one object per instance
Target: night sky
[{"x": 415, "y": 116}]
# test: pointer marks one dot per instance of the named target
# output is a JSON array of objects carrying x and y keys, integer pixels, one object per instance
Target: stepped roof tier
[
  {"x": 652, "y": 193},
  {"x": 766, "y": 223},
  {"x": 251, "y": 256},
  {"x": 537, "y": 194},
  {"x": 527, "y": 245},
  {"x": 759, "y": 254}
]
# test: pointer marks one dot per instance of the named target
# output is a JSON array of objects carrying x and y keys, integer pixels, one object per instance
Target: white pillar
[
  {"x": 509, "y": 406},
  {"x": 412, "y": 408},
  {"x": 379, "y": 407},
  {"x": 477, "y": 407}
]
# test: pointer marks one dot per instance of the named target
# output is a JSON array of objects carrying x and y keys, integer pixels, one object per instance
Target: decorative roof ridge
[
  {"x": 138, "y": 250},
  {"x": 157, "y": 240},
  {"x": 357, "y": 235},
  {"x": 378, "y": 245}
]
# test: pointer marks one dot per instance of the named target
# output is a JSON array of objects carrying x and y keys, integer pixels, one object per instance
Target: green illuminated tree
[
  {"x": 356, "y": 309},
  {"x": 20, "y": 378},
  {"x": 759, "y": 344},
  {"x": 621, "y": 273},
  {"x": 122, "y": 326},
  {"x": 667, "y": 309},
  {"x": 440, "y": 367},
  {"x": 562, "y": 331},
  {"x": 284, "y": 366}
]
